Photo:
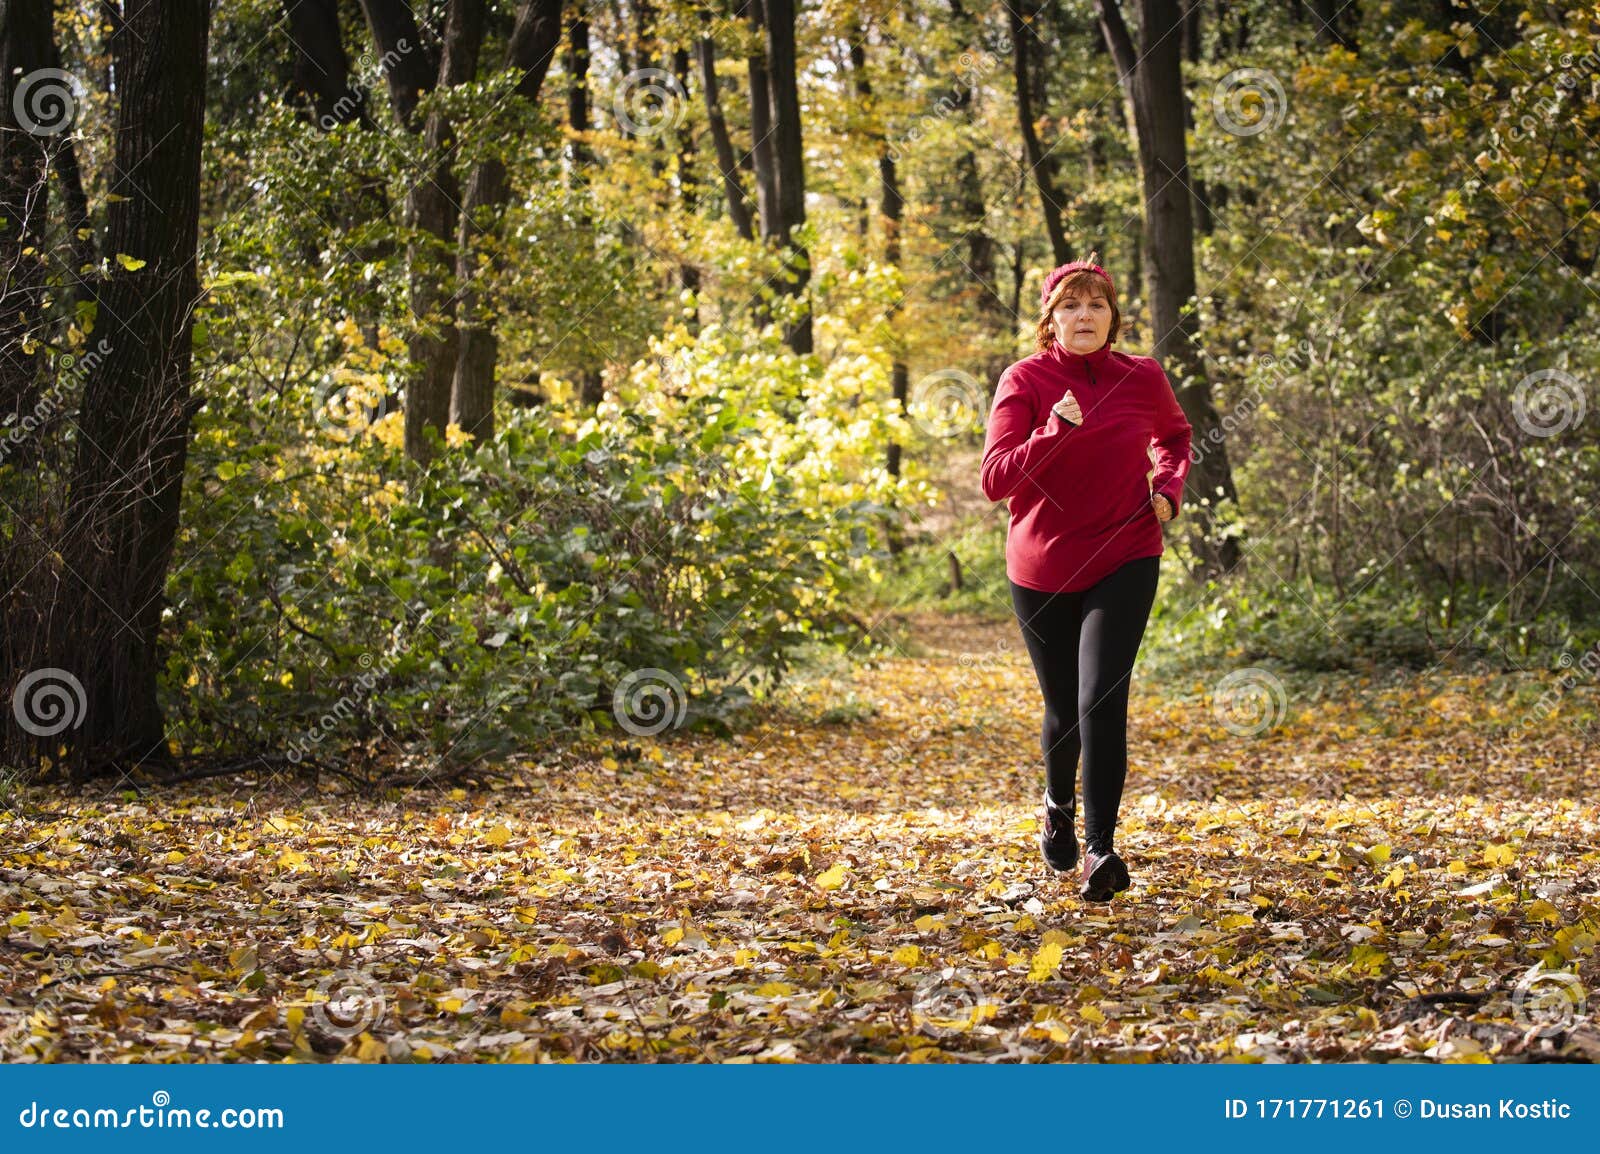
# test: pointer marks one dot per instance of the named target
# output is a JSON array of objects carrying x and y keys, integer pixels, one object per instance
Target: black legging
[{"x": 1083, "y": 646}]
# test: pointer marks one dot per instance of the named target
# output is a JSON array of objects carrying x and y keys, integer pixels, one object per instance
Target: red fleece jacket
[{"x": 1080, "y": 495}]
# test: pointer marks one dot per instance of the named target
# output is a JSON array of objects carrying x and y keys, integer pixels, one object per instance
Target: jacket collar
[{"x": 1066, "y": 357}]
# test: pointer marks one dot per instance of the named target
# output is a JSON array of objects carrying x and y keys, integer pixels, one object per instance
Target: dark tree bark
[
  {"x": 972, "y": 208},
  {"x": 1153, "y": 76},
  {"x": 1325, "y": 15},
  {"x": 688, "y": 182},
  {"x": 431, "y": 212},
  {"x": 727, "y": 164},
  {"x": 762, "y": 150},
  {"x": 891, "y": 207},
  {"x": 534, "y": 40},
  {"x": 783, "y": 83},
  {"x": 28, "y": 127},
  {"x": 321, "y": 68},
  {"x": 411, "y": 66},
  {"x": 1022, "y": 38},
  {"x": 591, "y": 381},
  {"x": 133, "y": 428}
]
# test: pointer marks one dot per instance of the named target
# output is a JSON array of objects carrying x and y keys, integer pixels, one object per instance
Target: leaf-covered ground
[{"x": 1401, "y": 872}]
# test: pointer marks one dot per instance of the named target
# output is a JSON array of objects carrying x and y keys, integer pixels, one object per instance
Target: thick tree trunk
[
  {"x": 133, "y": 429},
  {"x": 321, "y": 68},
  {"x": 688, "y": 185},
  {"x": 1022, "y": 37},
  {"x": 534, "y": 40},
  {"x": 591, "y": 382},
  {"x": 29, "y": 126},
  {"x": 727, "y": 163},
  {"x": 431, "y": 212},
  {"x": 891, "y": 208},
  {"x": 783, "y": 84},
  {"x": 1153, "y": 74},
  {"x": 410, "y": 65},
  {"x": 972, "y": 208}
]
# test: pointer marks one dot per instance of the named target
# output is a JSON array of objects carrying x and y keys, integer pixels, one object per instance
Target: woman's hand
[
  {"x": 1067, "y": 409},
  {"x": 1162, "y": 506}
]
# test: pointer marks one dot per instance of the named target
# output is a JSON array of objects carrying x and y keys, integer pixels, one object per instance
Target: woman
[{"x": 1069, "y": 447}]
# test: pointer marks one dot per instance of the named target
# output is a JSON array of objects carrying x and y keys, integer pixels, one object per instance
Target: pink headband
[{"x": 1054, "y": 276}]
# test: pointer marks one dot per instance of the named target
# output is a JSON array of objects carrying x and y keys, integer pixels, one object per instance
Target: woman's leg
[
  {"x": 1050, "y": 626},
  {"x": 1115, "y": 611}
]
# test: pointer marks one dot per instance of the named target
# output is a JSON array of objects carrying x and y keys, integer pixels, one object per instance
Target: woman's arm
[
  {"x": 1172, "y": 440},
  {"x": 1012, "y": 448}
]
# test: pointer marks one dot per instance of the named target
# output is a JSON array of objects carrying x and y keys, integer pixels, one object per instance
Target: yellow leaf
[
  {"x": 1045, "y": 962},
  {"x": 132, "y": 264},
  {"x": 929, "y": 922},
  {"x": 1393, "y": 879},
  {"x": 1057, "y": 1032},
  {"x": 1456, "y": 867},
  {"x": 908, "y": 955},
  {"x": 832, "y": 878},
  {"x": 290, "y": 858},
  {"x": 1091, "y": 1013},
  {"x": 673, "y": 936},
  {"x": 1543, "y": 911},
  {"x": 1237, "y": 922},
  {"x": 1499, "y": 854},
  {"x": 499, "y": 835},
  {"x": 1378, "y": 855}
]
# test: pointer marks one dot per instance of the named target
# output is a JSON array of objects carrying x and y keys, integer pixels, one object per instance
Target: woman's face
[{"x": 1081, "y": 321}]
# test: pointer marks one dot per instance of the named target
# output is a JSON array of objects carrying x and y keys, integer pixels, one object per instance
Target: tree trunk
[
  {"x": 431, "y": 212},
  {"x": 534, "y": 40},
  {"x": 762, "y": 150},
  {"x": 28, "y": 127},
  {"x": 321, "y": 68},
  {"x": 133, "y": 429},
  {"x": 1022, "y": 36},
  {"x": 1154, "y": 77},
  {"x": 591, "y": 383},
  {"x": 783, "y": 84},
  {"x": 410, "y": 66},
  {"x": 688, "y": 187},
  {"x": 728, "y": 164},
  {"x": 971, "y": 205}
]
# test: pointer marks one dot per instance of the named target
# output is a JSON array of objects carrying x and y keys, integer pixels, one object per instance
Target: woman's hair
[{"x": 1082, "y": 281}]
